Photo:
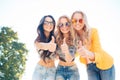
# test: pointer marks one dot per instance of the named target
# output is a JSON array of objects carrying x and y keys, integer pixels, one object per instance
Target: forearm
[
  {"x": 41, "y": 45},
  {"x": 86, "y": 54}
]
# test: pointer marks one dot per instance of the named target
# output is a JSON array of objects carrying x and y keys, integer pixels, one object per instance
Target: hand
[
  {"x": 52, "y": 45},
  {"x": 65, "y": 50},
  {"x": 84, "y": 52},
  {"x": 81, "y": 50},
  {"x": 64, "y": 46}
]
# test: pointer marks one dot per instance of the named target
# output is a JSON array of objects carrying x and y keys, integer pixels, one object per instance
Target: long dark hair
[{"x": 42, "y": 38}]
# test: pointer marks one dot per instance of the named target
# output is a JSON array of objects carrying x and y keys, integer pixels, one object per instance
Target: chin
[{"x": 78, "y": 29}]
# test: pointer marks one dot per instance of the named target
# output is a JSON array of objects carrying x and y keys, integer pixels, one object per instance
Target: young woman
[
  {"x": 100, "y": 65},
  {"x": 66, "y": 69},
  {"x": 45, "y": 45}
]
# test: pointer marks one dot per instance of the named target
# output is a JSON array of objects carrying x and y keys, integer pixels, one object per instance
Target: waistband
[
  {"x": 48, "y": 63},
  {"x": 62, "y": 63}
]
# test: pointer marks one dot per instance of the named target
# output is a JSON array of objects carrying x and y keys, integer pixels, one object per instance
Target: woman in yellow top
[{"x": 99, "y": 63}]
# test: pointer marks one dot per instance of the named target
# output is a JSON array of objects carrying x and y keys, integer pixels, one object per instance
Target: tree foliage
[{"x": 13, "y": 55}]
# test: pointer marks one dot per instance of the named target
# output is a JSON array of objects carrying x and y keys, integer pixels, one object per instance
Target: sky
[{"x": 23, "y": 16}]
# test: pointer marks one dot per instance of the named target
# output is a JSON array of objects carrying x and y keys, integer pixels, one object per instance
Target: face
[
  {"x": 64, "y": 25},
  {"x": 48, "y": 24},
  {"x": 77, "y": 21}
]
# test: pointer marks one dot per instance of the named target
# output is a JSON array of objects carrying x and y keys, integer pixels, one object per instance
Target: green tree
[{"x": 13, "y": 55}]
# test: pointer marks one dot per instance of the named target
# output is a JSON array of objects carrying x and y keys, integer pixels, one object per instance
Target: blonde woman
[
  {"x": 100, "y": 65},
  {"x": 66, "y": 69}
]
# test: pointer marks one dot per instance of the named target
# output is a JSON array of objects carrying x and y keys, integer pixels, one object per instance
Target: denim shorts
[
  {"x": 44, "y": 73},
  {"x": 67, "y": 73},
  {"x": 97, "y": 74}
]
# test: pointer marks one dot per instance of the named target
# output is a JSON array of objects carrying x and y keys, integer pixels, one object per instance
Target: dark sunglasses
[
  {"x": 48, "y": 23},
  {"x": 74, "y": 21},
  {"x": 67, "y": 24}
]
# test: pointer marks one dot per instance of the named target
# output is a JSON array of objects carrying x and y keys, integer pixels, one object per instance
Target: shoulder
[{"x": 94, "y": 31}]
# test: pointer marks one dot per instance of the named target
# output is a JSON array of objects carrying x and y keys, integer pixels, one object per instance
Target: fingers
[
  {"x": 80, "y": 44},
  {"x": 64, "y": 41},
  {"x": 81, "y": 49},
  {"x": 64, "y": 46},
  {"x": 52, "y": 45},
  {"x": 52, "y": 40}
]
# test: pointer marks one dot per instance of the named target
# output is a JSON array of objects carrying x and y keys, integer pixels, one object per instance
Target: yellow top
[{"x": 102, "y": 59}]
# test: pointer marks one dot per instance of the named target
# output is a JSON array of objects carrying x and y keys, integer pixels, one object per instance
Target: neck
[
  {"x": 47, "y": 34},
  {"x": 79, "y": 32},
  {"x": 65, "y": 35}
]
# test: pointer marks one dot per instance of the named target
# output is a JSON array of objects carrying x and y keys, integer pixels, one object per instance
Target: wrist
[
  {"x": 91, "y": 56},
  {"x": 46, "y": 46}
]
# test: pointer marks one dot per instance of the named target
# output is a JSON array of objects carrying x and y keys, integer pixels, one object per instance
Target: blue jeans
[
  {"x": 44, "y": 73},
  {"x": 97, "y": 74},
  {"x": 67, "y": 73}
]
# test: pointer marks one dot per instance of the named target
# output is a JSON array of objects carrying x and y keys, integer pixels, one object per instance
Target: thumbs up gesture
[
  {"x": 64, "y": 46},
  {"x": 81, "y": 50},
  {"x": 84, "y": 52},
  {"x": 52, "y": 40},
  {"x": 52, "y": 45}
]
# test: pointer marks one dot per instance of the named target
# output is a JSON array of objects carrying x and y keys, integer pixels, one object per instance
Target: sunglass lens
[
  {"x": 74, "y": 21},
  {"x": 60, "y": 25},
  {"x": 66, "y": 24},
  {"x": 80, "y": 20},
  {"x": 48, "y": 23}
]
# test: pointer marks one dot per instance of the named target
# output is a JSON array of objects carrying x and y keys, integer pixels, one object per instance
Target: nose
[
  {"x": 64, "y": 25},
  {"x": 78, "y": 22}
]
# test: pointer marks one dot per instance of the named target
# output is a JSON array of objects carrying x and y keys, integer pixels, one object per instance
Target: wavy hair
[
  {"x": 59, "y": 34},
  {"x": 42, "y": 38},
  {"x": 85, "y": 37}
]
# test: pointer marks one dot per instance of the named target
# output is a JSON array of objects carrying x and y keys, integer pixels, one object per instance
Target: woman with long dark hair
[{"x": 46, "y": 46}]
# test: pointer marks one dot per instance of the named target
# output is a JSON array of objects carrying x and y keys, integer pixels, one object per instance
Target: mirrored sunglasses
[
  {"x": 74, "y": 21},
  {"x": 67, "y": 24},
  {"x": 48, "y": 23}
]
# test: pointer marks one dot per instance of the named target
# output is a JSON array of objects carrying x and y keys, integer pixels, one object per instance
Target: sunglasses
[
  {"x": 67, "y": 24},
  {"x": 49, "y": 23},
  {"x": 74, "y": 21}
]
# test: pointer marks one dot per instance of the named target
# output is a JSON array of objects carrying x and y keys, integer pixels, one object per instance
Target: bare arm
[
  {"x": 51, "y": 46},
  {"x": 41, "y": 45}
]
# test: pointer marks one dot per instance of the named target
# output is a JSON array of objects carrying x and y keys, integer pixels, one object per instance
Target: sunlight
[{"x": 24, "y": 16}]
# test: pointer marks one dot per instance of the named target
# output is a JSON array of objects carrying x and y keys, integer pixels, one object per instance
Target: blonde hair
[
  {"x": 85, "y": 37},
  {"x": 59, "y": 34}
]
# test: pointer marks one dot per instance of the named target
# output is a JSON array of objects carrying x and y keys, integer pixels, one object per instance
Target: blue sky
[{"x": 24, "y": 16}]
